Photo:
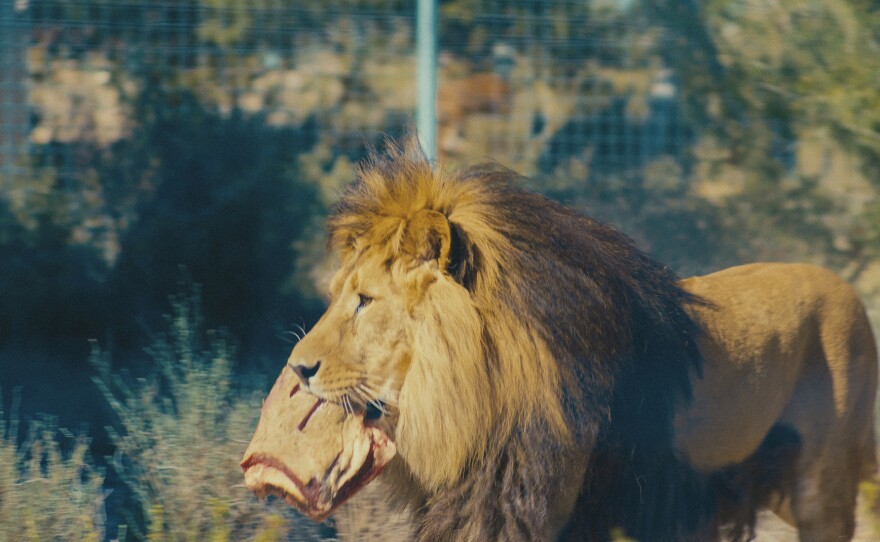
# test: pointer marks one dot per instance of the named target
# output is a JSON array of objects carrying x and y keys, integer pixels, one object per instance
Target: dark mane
[
  {"x": 618, "y": 332},
  {"x": 627, "y": 348}
]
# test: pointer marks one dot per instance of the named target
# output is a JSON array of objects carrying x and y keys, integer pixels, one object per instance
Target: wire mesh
[
  {"x": 528, "y": 83},
  {"x": 13, "y": 93},
  {"x": 613, "y": 93},
  {"x": 558, "y": 80}
]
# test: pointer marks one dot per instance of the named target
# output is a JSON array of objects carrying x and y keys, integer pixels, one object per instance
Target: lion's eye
[{"x": 363, "y": 301}]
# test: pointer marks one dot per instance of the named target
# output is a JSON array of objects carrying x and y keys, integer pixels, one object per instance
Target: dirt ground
[{"x": 773, "y": 529}]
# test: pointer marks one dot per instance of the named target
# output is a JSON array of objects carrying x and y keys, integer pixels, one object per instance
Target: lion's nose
[{"x": 305, "y": 373}]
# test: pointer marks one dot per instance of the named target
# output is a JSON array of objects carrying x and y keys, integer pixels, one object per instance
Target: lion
[{"x": 544, "y": 379}]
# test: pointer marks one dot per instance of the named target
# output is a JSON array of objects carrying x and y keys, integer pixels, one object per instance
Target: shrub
[
  {"x": 181, "y": 432},
  {"x": 48, "y": 492}
]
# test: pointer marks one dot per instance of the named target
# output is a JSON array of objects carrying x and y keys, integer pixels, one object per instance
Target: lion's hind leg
[
  {"x": 824, "y": 500},
  {"x": 833, "y": 407},
  {"x": 810, "y": 491}
]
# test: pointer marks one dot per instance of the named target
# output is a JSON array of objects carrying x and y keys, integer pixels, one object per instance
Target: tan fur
[
  {"x": 462, "y": 371},
  {"x": 790, "y": 344}
]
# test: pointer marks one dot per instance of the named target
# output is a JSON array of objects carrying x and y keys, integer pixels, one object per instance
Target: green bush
[
  {"x": 181, "y": 432},
  {"x": 48, "y": 493}
]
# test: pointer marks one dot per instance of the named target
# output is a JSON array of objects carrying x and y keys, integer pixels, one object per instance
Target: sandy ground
[{"x": 773, "y": 529}]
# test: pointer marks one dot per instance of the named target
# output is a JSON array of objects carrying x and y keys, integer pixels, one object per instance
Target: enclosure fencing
[
  {"x": 524, "y": 82},
  {"x": 621, "y": 98}
]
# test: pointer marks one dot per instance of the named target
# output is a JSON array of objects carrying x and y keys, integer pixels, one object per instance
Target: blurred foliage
[
  {"x": 224, "y": 210},
  {"x": 48, "y": 488},
  {"x": 229, "y": 23},
  {"x": 566, "y": 32},
  {"x": 655, "y": 208},
  {"x": 239, "y": 120},
  {"x": 190, "y": 196},
  {"x": 764, "y": 80},
  {"x": 49, "y": 289},
  {"x": 180, "y": 434},
  {"x": 809, "y": 63}
]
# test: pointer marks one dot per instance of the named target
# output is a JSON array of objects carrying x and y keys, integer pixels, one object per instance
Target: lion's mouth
[
  {"x": 374, "y": 412},
  {"x": 269, "y": 476}
]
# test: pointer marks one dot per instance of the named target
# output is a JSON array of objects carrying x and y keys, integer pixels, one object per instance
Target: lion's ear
[
  {"x": 428, "y": 237},
  {"x": 464, "y": 258}
]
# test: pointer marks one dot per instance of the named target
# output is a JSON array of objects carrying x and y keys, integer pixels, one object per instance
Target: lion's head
[
  {"x": 405, "y": 332},
  {"x": 442, "y": 317}
]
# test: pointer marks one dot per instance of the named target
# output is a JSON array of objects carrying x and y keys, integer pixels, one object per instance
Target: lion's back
[{"x": 784, "y": 343}]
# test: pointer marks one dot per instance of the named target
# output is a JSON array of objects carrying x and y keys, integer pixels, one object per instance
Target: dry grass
[
  {"x": 180, "y": 436},
  {"x": 48, "y": 488}
]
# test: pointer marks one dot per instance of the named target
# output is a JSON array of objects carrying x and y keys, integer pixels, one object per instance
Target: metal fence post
[{"x": 426, "y": 69}]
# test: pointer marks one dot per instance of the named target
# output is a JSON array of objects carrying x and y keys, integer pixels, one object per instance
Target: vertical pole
[{"x": 426, "y": 74}]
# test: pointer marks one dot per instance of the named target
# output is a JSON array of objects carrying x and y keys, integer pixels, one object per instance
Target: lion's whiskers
[
  {"x": 378, "y": 392},
  {"x": 295, "y": 335},
  {"x": 364, "y": 397},
  {"x": 361, "y": 390},
  {"x": 299, "y": 332},
  {"x": 361, "y": 393},
  {"x": 378, "y": 388},
  {"x": 346, "y": 404}
]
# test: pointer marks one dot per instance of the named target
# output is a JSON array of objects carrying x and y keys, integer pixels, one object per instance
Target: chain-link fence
[
  {"x": 669, "y": 118},
  {"x": 538, "y": 86},
  {"x": 712, "y": 132},
  {"x": 528, "y": 83}
]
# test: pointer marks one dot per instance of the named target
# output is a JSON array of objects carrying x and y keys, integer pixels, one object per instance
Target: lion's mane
[{"x": 556, "y": 338}]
